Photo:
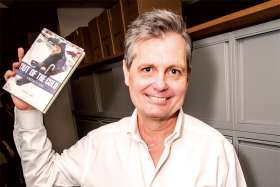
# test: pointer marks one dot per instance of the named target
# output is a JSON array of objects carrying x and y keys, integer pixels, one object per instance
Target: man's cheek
[{"x": 142, "y": 83}]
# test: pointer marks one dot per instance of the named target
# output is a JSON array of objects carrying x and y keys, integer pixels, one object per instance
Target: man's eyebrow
[
  {"x": 145, "y": 64},
  {"x": 178, "y": 66}
]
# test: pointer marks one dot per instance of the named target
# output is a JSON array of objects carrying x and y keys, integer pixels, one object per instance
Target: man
[{"x": 158, "y": 146}]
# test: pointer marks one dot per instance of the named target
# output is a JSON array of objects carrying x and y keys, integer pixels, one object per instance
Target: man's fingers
[
  {"x": 20, "y": 53},
  {"x": 16, "y": 65},
  {"x": 9, "y": 74}
]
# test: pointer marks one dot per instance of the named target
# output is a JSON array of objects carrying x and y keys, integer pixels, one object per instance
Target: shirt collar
[{"x": 133, "y": 127}]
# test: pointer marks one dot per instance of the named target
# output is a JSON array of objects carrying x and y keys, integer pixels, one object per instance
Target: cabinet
[
  {"x": 208, "y": 96},
  {"x": 257, "y": 78},
  {"x": 100, "y": 97},
  {"x": 259, "y": 156},
  {"x": 234, "y": 87},
  {"x": 112, "y": 91},
  {"x": 84, "y": 95},
  {"x": 102, "y": 93}
]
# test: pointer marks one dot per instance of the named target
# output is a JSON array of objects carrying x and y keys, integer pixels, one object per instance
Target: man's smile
[{"x": 158, "y": 99}]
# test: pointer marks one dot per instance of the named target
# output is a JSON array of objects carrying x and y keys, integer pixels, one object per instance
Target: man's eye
[
  {"x": 147, "y": 69},
  {"x": 175, "y": 71}
]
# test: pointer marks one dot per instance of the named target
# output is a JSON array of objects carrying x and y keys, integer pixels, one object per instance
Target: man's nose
[{"x": 160, "y": 83}]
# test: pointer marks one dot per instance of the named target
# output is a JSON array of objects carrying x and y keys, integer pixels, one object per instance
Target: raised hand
[{"x": 10, "y": 73}]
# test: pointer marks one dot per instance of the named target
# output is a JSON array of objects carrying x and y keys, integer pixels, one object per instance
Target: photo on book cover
[{"x": 44, "y": 69}]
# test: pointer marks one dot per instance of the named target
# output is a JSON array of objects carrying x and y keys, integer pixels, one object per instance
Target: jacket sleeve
[{"x": 41, "y": 165}]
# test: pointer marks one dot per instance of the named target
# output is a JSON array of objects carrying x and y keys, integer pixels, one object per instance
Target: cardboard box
[
  {"x": 97, "y": 53},
  {"x": 133, "y": 8},
  {"x": 82, "y": 39},
  {"x": 117, "y": 28},
  {"x": 105, "y": 34}
]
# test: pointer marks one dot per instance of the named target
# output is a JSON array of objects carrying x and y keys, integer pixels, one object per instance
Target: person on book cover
[
  {"x": 158, "y": 145},
  {"x": 55, "y": 63}
]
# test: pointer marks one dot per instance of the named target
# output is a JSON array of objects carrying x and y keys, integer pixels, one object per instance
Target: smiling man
[
  {"x": 158, "y": 146},
  {"x": 157, "y": 81}
]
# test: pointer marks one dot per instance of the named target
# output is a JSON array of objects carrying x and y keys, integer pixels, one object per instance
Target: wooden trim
[{"x": 253, "y": 15}]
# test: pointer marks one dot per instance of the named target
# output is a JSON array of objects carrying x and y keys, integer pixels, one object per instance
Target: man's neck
[{"x": 155, "y": 130}]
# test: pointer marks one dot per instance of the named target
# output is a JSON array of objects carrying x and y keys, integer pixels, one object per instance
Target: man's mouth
[{"x": 158, "y": 100}]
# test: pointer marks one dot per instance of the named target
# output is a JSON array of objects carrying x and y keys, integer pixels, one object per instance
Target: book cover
[{"x": 44, "y": 70}]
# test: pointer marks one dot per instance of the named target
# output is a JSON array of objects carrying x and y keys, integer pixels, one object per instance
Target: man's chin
[{"x": 159, "y": 115}]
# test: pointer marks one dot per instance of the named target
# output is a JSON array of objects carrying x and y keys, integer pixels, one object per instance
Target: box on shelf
[{"x": 94, "y": 32}]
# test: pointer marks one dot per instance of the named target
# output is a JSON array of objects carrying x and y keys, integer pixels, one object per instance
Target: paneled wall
[{"x": 235, "y": 88}]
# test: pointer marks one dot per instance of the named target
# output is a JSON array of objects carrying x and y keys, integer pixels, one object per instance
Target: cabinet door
[
  {"x": 260, "y": 161},
  {"x": 83, "y": 95},
  {"x": 208, "y": 96},
  {"x": 258, "y": 74},
  {"x": 113, "y": 93}
]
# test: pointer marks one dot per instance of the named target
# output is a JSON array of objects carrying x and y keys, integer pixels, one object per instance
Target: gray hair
[{"x": 154, "y": 24}]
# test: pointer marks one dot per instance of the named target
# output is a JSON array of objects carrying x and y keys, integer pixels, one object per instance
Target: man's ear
[{"x": 126, "y": 73}]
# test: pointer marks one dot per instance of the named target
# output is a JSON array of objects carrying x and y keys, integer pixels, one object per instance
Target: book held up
[{"x": 44, "y": 70}]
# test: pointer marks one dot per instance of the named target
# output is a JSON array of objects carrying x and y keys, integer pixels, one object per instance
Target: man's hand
[{"x": 10, "y": 73}]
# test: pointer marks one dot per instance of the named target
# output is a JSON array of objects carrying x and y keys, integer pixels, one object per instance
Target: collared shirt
[{"x": 195, "y": 155}]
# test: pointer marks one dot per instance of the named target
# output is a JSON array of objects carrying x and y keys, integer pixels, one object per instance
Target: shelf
[{"x": 249, "y": 16}]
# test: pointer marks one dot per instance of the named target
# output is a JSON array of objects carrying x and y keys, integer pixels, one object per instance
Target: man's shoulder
[{"x": 202, "y": 130}]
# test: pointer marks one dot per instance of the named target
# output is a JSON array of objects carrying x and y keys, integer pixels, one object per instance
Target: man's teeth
[{"x": 158, "y": 99}]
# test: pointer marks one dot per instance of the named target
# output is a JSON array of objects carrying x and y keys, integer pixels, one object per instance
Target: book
[{"x": 44, "y": 70}]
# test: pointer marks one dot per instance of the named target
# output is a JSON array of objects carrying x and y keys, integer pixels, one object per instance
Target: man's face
[
  {"x": 157, "y": 78},
  {"x": 56, "y": 49}
]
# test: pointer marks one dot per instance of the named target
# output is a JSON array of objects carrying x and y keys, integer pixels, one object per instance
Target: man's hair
[{"x": 155, "y": 24}]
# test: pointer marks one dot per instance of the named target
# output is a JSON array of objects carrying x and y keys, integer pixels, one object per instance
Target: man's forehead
[
  {"x": 161, "y": 37},
  {"x": 172, "y": 43}
]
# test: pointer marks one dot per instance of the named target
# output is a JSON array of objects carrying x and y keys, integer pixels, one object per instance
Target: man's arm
[{"x": 41, "y": 165}]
